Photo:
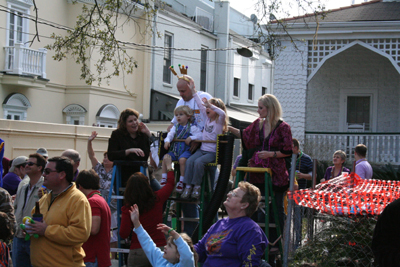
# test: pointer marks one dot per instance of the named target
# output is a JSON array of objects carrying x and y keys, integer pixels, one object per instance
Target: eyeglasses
[
  {"x": 48, "y": 171},
  {"x": 233, "y": 194},
  {"x": 30, "y": 163}
]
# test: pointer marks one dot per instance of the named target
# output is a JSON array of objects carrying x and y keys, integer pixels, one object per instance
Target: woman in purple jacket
[{"x": 236, "y": 240}]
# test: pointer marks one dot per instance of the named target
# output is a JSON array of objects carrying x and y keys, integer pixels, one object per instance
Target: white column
[
  {"x": 43, "y": 52},
  {"x": 18, "y": 57}
]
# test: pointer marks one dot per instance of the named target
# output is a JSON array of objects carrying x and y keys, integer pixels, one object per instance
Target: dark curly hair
[
  {"x": 139, "y": 192},
  {"x": 6, "y": 227}
]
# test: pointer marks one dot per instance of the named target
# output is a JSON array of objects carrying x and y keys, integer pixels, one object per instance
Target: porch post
[
  {"x": 43, "y": 53},
  {"x": 17, "y": 68}
]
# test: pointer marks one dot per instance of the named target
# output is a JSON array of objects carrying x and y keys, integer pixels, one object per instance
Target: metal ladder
[
  {"x": 205, "y": 194},
  {"x": 269, "y": 194}
]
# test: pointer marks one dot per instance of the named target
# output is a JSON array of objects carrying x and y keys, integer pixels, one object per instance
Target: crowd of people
[{"x": 79, "y": 223}]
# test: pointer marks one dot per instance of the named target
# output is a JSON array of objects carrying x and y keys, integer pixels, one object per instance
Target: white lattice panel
[{"x": 323, "y": 48}]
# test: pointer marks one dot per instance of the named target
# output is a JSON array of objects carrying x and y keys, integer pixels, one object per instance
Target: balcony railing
[
  {"x": 22, "y": 60},
  {"x": 382, "y": 147}
]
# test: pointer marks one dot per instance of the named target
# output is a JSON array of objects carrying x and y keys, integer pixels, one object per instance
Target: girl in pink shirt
[{"x": 217, "y": 123}]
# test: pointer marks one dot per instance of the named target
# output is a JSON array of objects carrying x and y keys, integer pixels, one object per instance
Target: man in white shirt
[
  {"x": 188, "y": 100},
  {"x": 191, "y": 210}
]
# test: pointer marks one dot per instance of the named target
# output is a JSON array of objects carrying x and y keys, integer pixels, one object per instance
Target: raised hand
[
  {"x": 168, "y": 161},
  {"x": 206, "y": 103},
  {"x": 192, "y": 87},
  {"x": 92, "y": 136},
  {"x": 163, "y": 228},
  {"x": 134, "y": 212},
  {"x": 144, "y": 129}
]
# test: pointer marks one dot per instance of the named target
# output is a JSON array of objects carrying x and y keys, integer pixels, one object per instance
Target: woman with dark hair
[
  {"x": 131, "y": 141},
  {"x": 150, "y": 203}
]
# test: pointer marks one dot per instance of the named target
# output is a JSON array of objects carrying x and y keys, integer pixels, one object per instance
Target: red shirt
[
  {"x": 98, "y": 246},
  {"x": 150, "y": 219}
]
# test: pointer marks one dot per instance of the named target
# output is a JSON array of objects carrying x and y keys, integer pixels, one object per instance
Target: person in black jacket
[
  {"x": 131, "y": 141},
  {"x": 385, "y": 242}
]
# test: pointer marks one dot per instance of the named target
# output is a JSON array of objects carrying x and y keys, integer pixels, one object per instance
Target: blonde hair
[
  {"x": 219, "y": 103},
  {"x": 189, "y": 241},
  {"x": 274, "y": 109},
  {"x": 341, "y": 153},
  {"x": 188, "y": 111}
]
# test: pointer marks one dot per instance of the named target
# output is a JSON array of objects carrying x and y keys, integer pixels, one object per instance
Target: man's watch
[{"x": 275, "y": 154}]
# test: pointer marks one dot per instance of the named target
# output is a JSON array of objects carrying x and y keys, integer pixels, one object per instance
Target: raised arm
[
  {"x": 220, "y": 112},
  {"x": 186, "y": 257},
  {"x": 197, "y": 98},
  {"x": 153, "y": 253},
  {"x": 90, "y": 150}
]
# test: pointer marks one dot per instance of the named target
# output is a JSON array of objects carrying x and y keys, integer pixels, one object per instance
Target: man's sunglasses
[
  {"x": 48, "y": 171},
  {"x": 30, "y": 163}
]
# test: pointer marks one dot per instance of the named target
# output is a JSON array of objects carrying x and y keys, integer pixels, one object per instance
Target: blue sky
[{"x": 248, "y": 6}]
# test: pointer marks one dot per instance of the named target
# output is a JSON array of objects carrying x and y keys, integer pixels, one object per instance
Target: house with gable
[{"x": 341, "y": 85}]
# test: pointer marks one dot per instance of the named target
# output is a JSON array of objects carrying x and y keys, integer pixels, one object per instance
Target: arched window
[
  {"x": 75, "y": 114},
  {"x": 107, "y": 116},
  {"x": 15, "y": 107}
]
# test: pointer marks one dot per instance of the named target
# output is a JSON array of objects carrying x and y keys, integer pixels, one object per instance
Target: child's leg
[
  {"x": 189, "y": 169},
  {"x": 182, "y": 165},
  {"x": 199, "y": 165},
  {"x": 180, "y": 185},
  {"x": 207, "y": 157},
  {"x": 189, "y": 173}
]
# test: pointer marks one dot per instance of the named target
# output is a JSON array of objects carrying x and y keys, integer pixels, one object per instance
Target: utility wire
[{"x": 52, "y": 24}]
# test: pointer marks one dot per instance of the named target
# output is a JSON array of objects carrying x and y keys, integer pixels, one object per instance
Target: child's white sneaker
[
  {"x": 179, "y": 187},
  {"x": 196, "y": 192},
  {"x": 186, "y": 193},
  {"x": 163, "y": 182}
]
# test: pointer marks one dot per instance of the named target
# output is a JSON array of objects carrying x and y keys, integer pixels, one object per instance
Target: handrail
[{"x": 201, "y": 141}]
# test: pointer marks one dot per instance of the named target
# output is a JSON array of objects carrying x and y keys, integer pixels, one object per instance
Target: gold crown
[{"x": 182, "y": 69}]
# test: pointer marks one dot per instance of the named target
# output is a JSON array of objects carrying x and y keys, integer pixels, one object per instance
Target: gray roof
[{"x": 367, "y": 11}]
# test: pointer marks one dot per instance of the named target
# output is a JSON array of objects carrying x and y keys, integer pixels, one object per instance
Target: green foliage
[
  {"x": 96, "y": 31},
  {"x": 386, "y": 172},
  {"x": 340, "y": 241}
]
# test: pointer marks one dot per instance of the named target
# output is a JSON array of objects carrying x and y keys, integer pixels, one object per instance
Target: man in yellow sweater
[{"x": 67, "y": 219}]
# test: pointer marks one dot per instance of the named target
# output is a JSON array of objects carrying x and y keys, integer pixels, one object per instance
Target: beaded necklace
[
  {"x": 299, "y": 159},
  {"x": 94, "y": 193},
  {"x": 333, "y": 172}
]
